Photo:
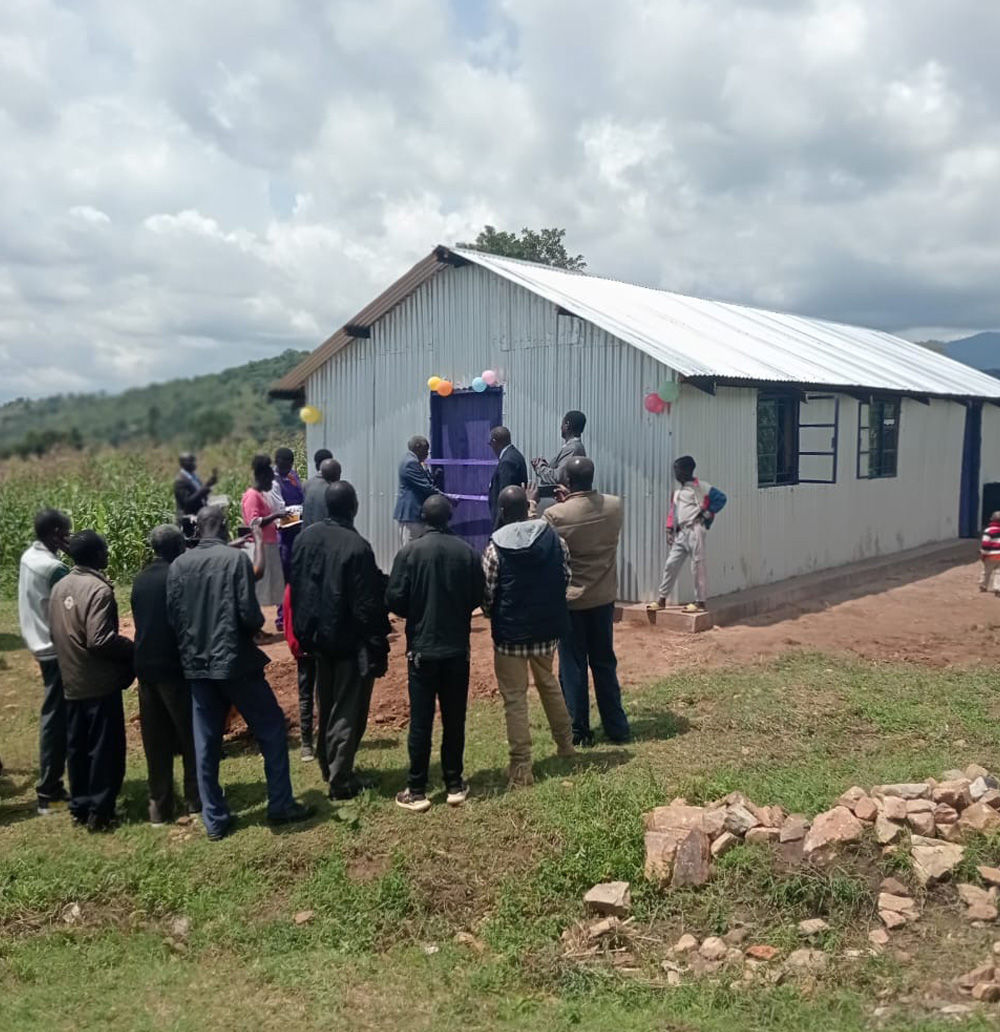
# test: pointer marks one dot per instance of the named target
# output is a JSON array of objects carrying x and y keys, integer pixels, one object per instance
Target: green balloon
[{"x": 669, "y": 391}]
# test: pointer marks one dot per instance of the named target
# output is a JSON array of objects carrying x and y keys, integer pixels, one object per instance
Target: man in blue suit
[
  {"x": 511, "y": 471},
  {"x": 416, "y": 485}
]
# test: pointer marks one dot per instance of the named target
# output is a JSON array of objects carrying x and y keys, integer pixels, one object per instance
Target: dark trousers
[
  {"x": 307, "y": 696},
  {"x": 344, "y": 699},
  {"x": 95, "y": 757},
  {"x": 255, "y": 702},
  {"x": 51, "y": 733},
  {"x": 591, "y": 642},
  {"x": 447, "y": 682},
  {"x": 165, "y": 721}
]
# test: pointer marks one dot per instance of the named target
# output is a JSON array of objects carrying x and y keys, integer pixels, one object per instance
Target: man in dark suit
[
  {"x": 416, "y": 485},
  {"x": 511, "y": 471}
]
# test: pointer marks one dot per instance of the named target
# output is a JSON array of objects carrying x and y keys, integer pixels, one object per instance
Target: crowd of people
[{"x": 546, "y": 580}]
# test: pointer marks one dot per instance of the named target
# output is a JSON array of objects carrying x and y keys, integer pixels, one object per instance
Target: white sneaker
[
  {"x": 416, "y": 802},
  {"x": 457, "y": 796}
]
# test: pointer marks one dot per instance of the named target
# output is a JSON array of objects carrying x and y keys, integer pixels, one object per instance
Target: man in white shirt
[{"x": 40, "y": 570}]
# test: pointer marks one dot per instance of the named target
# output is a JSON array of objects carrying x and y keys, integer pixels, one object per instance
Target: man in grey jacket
[
  {"x": 549, "y": 474},
  {"x": 212, "y": 607},
  {"x": 96, "y": 666}
]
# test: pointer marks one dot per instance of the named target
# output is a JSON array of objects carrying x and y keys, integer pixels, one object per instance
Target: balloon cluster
[
  {"x": 479, "y": 383},
  {"x": 661, "y": 399},
  {"x": 310, "y": 415}
]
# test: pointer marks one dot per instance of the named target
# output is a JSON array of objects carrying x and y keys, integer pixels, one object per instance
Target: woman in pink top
[{"x": 257, "y": 504}]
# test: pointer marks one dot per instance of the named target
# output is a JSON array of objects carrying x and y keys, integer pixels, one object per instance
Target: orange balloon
[{"x": 445, "y": 387}]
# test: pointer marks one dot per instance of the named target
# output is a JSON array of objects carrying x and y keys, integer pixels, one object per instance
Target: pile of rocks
[
  {"x": 983, "y": 982},
  {"x": 683, "y": 840}
]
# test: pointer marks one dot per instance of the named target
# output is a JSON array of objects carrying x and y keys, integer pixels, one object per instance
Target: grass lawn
[{"x": 452, "y": 920}]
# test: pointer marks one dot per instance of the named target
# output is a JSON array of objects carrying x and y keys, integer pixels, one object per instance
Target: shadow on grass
[
  {"x": 659, "y": 726},
  {"x": 10, "y": 642}
]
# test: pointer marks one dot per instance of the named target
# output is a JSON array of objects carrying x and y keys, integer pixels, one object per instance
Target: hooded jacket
[
  {"x": 40, "y": 571},
  {"x": 528, "y": 605}
]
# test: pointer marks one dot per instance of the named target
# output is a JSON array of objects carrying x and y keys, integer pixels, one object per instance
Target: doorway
[
  {"x": 991, "y": 501},
  {"x": 460, "y": 450},
  {"x": 969, "y": 511}
]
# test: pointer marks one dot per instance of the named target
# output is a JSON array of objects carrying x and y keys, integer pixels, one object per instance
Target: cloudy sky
[{"x": 188, "y": 184}]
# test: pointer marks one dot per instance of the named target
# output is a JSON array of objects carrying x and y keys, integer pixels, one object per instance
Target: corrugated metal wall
[
  {"x": 373, "y": 397},
  {"x": 991, "y": 445}
]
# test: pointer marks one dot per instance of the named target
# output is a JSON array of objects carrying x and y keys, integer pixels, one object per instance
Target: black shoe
[
  {"x": 627, "y": 740},
  {"x": 224, "y": 832},
  {"x": 584, "y": 741},
  {"x": 97, "y": 825},
  {"x": 348, "y": 792},
  {"x": 293, "y": 815}
]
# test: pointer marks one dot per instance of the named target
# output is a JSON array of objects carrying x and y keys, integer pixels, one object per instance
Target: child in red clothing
[{"x": 990, "y": 554}]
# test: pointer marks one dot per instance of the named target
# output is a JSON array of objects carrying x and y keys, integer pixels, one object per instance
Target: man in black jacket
[
  {"x": 190, "y": 494},
  {"x": 511, "y": 471},
  {"x": 164, "y": 697},
  {"x": 339, "y": 616},
  {"x": 527, "y": 571},
  {"x": 436, "y": 583},
  {"x": 212, "y": 608}
]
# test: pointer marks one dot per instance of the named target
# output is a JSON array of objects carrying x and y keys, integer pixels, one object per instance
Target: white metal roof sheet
[{"x": 717, "y": 339}]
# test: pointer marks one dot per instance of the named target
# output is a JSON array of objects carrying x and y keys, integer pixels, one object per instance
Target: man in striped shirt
[{"x": 527, "y": 571}]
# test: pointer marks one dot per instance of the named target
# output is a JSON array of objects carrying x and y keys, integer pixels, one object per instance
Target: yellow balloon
[
  {"x": 445, "y": 387},
  {"x": 310, "y": 414},
  {"x": 433, "y": 383}
]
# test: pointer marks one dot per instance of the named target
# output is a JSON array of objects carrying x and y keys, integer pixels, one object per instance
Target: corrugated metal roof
[
  {"x": 733, "y": 342},
  {"x": 698, "y": 338}
]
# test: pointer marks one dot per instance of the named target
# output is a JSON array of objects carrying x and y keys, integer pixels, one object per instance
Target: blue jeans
[
  {"x": 253, "y": 698},
  {"x": 591, "y": 642}
]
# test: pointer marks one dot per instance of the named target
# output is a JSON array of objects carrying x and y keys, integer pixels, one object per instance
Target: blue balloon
[{"x": 479, "y": 385}]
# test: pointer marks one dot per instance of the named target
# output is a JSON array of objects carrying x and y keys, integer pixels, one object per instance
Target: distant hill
[
  {"x": 982, "y": 350},
  {"x": 193, "y": 412}
]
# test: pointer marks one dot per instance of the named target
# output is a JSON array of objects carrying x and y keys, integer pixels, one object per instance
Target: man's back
[
  {"x": 314, "y": 506},
  {"x": 156, "y": 653},
  {"x": 40, "y": 571},
  {"x": 212, "y": 607},
  {"x": 590, "y": 524},
  {"x": 437, "y": 583}
]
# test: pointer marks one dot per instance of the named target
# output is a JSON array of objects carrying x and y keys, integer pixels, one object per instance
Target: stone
[
  {"x": 739, "y": 819},
  {"x": 899, "y": 905},
  {"x": 990, "y": 875},
  {"x": 919, "y": 790},
  {"x": 919, "y": 806},
  {"x": 603, "y": 929},
  {"x": 674, "y": 979},
  {"x": 986, "y": 992},
  {"x": 945, "y": 814},
  {"x": 886, "y": 831},
  {"x": 814, "y": 926},
  {"x": 713, "y": 822},
  {"x": 894, "y": 808},
  {"x": 956, "y": 1010},
  {"x": 686, "y": 944},
  {"x": 832, "y": 828},
  {"x": 983, "y": 973},
  {"x": 180, "y": 927},
  {"x": 762, "y": 952},
  {"x": 661, "y": 848},
  {"x": 763, "y": 835},
  {"x": 610, "y": 899},
  {"x": 678, "y": 816},
  {"x": 979, "y": 817},
  {"x": 953, "y": 793},
  {"x": 793, "y": 829},
  {"x": 950, "y": 832},
  {"x": 894, "y": 887},
  {"x": 702, "y": 968},
  {"x": 713, "y": 948},
  {"x": 971, "y": 895},
  {"x": 734, "y": 955},
  {"x": 992, "y": 798},
  {"x": 996, "y": 949},
  {"x": 878, "y": 937},
  {"x": 923, "y": 824},
  {"x": 692, "y": 862},
  {"x": 933, "y": 861},
  {"x": 974, "y": 771},
  {"x": 891, "y": 919},
  {"x": 985, "y": 912},
  {"x": 812, "y": 961},
  {"x": 470, "y": 940},
  {"x": 736, "y": 936},
  {"x": 978, "y": 789},
  {"x": 666, "y": 827},
  {"x": 724, "y": 843},
  {"x": 865, "y": 810},
  {"x": 72, "y": 913},
  {"x": 304, "y": 917},
  {"x": 851, "y": 796},
  {"x": 953, "y": 775}
]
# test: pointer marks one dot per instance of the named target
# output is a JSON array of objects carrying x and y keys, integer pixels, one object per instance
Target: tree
[
  {"x": 544, "y": 246},
  {"x": 210, "y": 426}
]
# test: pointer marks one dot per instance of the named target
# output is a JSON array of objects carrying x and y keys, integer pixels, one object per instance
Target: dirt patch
[{"x": 933, "y": 616}]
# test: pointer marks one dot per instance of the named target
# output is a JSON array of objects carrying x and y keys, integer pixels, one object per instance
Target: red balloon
[{"x": 654, "y": 403}]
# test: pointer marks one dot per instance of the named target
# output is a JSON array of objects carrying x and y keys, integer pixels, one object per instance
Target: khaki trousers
[{"x": 512, "y": 678}]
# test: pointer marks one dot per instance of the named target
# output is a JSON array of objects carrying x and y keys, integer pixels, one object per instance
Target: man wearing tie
[
  {"x": 548, "y": 474},
  {"x": 511, "y": 471},
  {"x": 416, "y": 485}
]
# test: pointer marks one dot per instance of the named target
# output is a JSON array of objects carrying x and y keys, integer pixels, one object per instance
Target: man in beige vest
[{"x": 590, "y": 523}]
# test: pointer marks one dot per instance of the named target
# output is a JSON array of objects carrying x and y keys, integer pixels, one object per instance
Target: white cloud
[{"x": 191, "y": 185}]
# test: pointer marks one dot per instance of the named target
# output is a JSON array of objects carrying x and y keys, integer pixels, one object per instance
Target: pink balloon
[
  {"x": 654, "y": 403},
  {"x": 490, "y": 377}
]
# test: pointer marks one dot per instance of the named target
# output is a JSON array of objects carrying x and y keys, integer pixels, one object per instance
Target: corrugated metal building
[{"x": 833, "y": 443}]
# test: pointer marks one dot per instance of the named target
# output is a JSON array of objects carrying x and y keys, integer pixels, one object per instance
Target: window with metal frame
[
  {"x": 819, "y": 436},
  {"x": 878, "y": 438},
  {"x": 777, "y": 439}
]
